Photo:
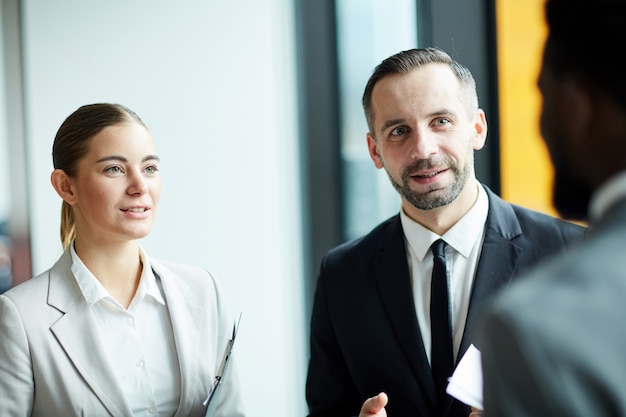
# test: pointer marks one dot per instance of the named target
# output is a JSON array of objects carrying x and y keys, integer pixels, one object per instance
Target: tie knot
[{"x": 438, "y": 247}]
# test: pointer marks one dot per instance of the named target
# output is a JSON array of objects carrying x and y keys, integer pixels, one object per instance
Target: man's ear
[
  {"x": 577, "y": 112},
  {"x": 480, "y": 127},
  {"x": 372, "y": 146},
  {"x": 595, "y": 130},
  {"x": 62, "y": 183}
]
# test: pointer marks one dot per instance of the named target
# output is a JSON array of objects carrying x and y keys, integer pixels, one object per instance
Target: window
[{"x": 368, "y": 31}]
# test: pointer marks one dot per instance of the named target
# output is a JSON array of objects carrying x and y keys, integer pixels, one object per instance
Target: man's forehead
[
  {"x": 421, "y": 84},
  {"x": 429, "y": 76}
]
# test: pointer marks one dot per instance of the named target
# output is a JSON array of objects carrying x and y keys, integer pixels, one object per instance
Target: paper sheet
[{"x": 466, "y": 383}]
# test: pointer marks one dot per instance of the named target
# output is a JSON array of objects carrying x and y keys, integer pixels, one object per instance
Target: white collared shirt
[
  {"x": 464, "y": 244},
  {"x": 138, "y": 341},
  {"x": 610, "y": 192}
]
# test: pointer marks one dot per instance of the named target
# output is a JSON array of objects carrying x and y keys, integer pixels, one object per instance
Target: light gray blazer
[
  {"x": 52, "y": 364},
  {"x": 555, "y": 344}
]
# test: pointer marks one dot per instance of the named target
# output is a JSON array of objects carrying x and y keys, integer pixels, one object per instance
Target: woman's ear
[{"x": 62, "y": 183}]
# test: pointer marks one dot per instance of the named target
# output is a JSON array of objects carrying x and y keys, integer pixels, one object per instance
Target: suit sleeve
[
  {"x": 525, "y": 373},
  {"x": 329, "y": 388},
  {"x": 16, "y": 372},
  {"x": 503, "y": 357}
]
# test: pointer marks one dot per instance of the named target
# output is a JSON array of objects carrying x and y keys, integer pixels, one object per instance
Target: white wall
[{"x": 215, "y": 82}]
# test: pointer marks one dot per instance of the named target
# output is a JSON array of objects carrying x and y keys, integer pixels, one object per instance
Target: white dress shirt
[
  {"x": 138, "y": 341},
  {"x": 603, "y": 198},
  {"x": 464, "y": 244}
]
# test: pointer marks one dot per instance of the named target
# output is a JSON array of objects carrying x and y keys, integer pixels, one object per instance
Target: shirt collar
[
  {"x": 148, "y": 283},
  {"x": 462, "y": 236},
  {"x": 604, "y": 197},
  {"x": 94, "y": 291}
]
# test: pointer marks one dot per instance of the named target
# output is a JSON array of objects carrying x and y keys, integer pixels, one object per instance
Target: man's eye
[
  {"x": 442, "y": 122},
  {"x": 398, "y": 131}
]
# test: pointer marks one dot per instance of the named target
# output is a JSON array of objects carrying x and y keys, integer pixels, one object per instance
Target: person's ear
[
  {"x": 372, "y": 146},
  {"x": 62, "y": 184},
  {"x": 595, "y": 127},
  {"x": 480, "y": 127},
  {"x": 577, "y": 112}
]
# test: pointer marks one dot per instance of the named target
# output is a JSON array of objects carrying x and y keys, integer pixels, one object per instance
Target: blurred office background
[{"x": 256, "y": 114}]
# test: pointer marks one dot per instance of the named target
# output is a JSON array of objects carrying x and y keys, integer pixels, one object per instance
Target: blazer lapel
[
  {"x": 77, "y": 334},
  {"x": 498, "y": 261},
  {"x": 186, "y": 334},
  {"x": 394, "y": 284}
]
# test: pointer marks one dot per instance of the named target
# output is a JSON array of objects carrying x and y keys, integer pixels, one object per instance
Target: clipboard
[{"x": 221, "y": 369}]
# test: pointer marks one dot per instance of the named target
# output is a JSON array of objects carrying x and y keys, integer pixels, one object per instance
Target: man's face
[
  {"x": 424, "y": 136},
  {"x": 571, "y": 192}
]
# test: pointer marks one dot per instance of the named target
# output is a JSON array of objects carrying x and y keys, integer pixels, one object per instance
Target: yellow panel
[{"x": 526, "y": 172}]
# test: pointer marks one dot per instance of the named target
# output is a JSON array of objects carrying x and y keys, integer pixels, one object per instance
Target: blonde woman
[{"x": 109, "y": 331}]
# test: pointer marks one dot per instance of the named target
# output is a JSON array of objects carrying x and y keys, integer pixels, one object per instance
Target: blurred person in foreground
[
  {"x": 108, "y": 330},
  {"x": 371, "y": 326},
  {"x": 554, "y": 343}
]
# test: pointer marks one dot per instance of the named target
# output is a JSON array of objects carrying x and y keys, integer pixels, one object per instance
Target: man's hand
[
  {"x": 476, "y": 412},
  {"x": 375, "y": 406}
]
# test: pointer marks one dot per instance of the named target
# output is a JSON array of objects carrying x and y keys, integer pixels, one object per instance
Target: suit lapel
[
  {"x": 77, "y": 334},
  {"x": 497, "y": 264},
  {"x": 186, "y": 336},
  {"x": 498, "y": 261},
  {"x": 394, "y": 284}
]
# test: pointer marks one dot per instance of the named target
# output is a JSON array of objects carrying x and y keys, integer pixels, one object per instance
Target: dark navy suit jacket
[{"x": 365, "y": 337}]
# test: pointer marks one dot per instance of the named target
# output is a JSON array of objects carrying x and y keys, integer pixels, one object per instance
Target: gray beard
[{"x": 434, "y": 198}]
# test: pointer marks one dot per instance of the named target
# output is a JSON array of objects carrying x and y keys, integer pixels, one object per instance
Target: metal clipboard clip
[{"x": 221, "y": 369}]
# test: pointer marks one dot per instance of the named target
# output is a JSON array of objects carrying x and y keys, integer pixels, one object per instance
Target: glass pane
[
  {"x": 15, "y": 261},
  {"x": 368, "y": 31},
  {"x": 6, "y": 278}
]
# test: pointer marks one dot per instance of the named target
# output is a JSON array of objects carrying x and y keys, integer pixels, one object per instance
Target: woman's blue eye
[
  {"x": 152, "y": 169},
  {"x": 114, "y": 170}
]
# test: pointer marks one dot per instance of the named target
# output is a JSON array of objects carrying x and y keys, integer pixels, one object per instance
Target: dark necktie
[{"x": 441, "y": 353}]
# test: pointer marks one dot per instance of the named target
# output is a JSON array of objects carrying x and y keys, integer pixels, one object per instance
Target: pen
[{"x": 221, "y": 369}]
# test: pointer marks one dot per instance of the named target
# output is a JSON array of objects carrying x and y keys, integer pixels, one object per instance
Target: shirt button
[
  {"x": 129, "y": 320},
  {"x": 152, "y": 410},
  {"x": 140, "y": 363}
]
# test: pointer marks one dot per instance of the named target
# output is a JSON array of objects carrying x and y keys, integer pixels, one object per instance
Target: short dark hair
[
  {"x": 405, "y": 61},
  {"x": 587, "y": 40}
]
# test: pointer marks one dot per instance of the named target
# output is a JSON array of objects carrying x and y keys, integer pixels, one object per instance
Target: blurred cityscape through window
[{"x": 386, "y": 27}]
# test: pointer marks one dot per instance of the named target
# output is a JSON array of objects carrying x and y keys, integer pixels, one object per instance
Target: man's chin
[{"x": 571, "y": 196}]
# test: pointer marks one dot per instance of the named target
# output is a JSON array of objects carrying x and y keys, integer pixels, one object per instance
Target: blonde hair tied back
[{"x": 68, "y": 229}]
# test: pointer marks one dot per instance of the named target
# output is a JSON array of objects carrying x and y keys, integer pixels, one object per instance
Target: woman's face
[{"x": 117, "y": 187}]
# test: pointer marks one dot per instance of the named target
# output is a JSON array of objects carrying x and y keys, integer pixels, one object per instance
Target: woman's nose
[{"x": 137, "y": 183}]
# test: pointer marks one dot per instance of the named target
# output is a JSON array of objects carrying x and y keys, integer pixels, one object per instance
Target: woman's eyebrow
[
  {"x": 122, "y": 159},
  {"x": 112, "y": 158}
]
